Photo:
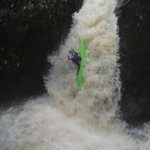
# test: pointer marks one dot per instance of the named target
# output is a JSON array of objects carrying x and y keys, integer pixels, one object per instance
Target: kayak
[{"x": 81, "y": 74}]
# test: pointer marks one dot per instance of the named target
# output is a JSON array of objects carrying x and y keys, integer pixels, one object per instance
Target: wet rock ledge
[{"x": 29, "y": 31}]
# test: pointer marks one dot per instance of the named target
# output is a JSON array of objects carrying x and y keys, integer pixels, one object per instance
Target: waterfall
[
  {"x": 98, "y": 99},
  {"x": 68, "y": 119}
]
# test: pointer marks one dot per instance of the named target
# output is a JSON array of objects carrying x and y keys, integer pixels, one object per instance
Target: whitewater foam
[{"x": 38, "y": 126}]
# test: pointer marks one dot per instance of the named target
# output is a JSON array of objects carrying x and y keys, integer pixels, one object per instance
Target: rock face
[
  {"x": 134, "y": 32},
  {"x": 29, "y": 31}
]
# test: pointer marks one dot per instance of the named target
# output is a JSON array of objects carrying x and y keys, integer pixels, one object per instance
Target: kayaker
[{"x": 75, "y": 58}]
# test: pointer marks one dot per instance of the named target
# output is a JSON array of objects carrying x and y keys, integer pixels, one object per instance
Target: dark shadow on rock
[
  {"x": 134, "y": 32},
  {"x": 29, "y": 31}
]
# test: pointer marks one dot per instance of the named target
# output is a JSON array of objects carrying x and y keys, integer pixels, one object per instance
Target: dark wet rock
[
  {"x": 29, "y": 31},
  {"x": 134, "y": 32}
]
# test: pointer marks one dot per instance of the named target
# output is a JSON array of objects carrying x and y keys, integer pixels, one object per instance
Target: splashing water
[{"x": 84, "y": 120}]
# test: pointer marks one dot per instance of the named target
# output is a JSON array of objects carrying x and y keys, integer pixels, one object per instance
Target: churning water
[{"x": 84, "y": 120}]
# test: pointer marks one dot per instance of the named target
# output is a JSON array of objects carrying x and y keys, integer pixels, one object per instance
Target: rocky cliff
[
  {"x": 134, "y": 32},
  {"x": 29, "y": 31}
]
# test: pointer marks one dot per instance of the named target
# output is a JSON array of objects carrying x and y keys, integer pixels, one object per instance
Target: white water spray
[{"x": 71, "y": 120}]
